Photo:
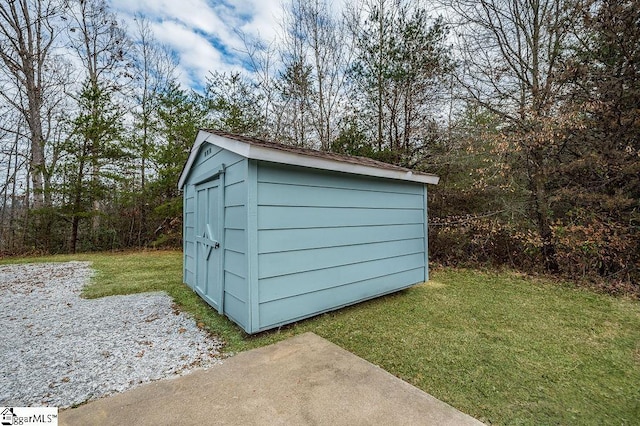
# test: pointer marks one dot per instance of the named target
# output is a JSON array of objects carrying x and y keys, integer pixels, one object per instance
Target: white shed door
[{"x": 208, "y": 225}]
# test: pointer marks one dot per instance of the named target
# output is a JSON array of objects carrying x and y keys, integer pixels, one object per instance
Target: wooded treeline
[{"x": 528, "y": 110}]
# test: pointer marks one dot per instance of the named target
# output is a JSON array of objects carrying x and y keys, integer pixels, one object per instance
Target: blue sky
[{"x": 205, "y": 34}]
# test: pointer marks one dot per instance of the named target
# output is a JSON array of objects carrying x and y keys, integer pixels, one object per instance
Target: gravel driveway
[{"x": 57, "y": 349}]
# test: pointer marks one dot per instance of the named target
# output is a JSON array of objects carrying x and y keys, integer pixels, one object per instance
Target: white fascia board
[
  {"x": 243, "y": 149},
  {"x": 200, "y": 139},
  {"x": 266, "y": 154}
]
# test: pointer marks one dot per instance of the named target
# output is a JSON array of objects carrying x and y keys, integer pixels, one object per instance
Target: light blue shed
[{"x": 274, "y": 234}]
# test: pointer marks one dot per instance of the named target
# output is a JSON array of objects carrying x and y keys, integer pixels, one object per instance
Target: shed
[{"x": 274, "y": 233}]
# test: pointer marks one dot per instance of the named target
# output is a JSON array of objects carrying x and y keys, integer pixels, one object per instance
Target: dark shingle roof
[
  {"x": 350, "y": 159},
  {"x": 258, "y": 149}
]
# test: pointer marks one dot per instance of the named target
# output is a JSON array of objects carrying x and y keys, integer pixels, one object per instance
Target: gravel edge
[{"x": 57, "y": 349}]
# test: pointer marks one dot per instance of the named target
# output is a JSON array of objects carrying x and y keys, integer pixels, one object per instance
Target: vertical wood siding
[
  {"x": 326, "y": 240},
  {"x": 235, "y": 265}
]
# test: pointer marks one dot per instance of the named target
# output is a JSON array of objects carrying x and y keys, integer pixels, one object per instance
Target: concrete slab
[{"x": 302, "y": 380}]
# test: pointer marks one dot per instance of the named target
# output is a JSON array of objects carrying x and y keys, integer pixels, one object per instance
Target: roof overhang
[{"x": 255, "y": 152}]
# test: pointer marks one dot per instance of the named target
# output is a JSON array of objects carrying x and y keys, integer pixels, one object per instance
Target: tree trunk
[
  {"x": 36, "y": 165},
  {"x": 380, "y": 88},
  {"x": 74, "y": 234},
  {"x": 77, "y": 202},
  {"x": 27, "y": 35},
  {"x": 543, "y": 214}
]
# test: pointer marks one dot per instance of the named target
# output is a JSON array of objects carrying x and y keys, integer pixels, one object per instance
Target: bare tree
[
  {"x": 513, "y": 57},
  {"x": 98, "y": 40},
  {"x": 100, "y": 44},
  {"x": 315, "y": 52},
  {"x": 294, "y": 85},
  {"x": 11, "y": 166},
  {"x": 27, "y": 36},
  {"x": 330, "y": 49},
  {"x": 154, "y": 71},
  {"x": 262, "y": 60}
]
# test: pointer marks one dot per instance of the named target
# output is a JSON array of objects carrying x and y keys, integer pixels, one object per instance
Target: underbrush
[{"x": 601, "y": 256}]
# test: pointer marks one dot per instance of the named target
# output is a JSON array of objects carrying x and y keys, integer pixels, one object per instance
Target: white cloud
[
  {"x": 196, "y": 55},
  {"x": 203, "y": 34},
  {"x": 196, "y": 14},
  {"x": 266, "y": 16},
  {"x": 206, "y": 34}
]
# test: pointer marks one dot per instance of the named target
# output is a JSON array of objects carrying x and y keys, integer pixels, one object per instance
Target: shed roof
[{"x": 259, "y": 149}]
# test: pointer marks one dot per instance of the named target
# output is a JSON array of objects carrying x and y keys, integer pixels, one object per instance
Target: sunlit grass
[{"x": 501, "y": 347}]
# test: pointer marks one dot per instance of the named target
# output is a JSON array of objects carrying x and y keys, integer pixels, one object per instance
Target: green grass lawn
[{"x": 501, "y": 347}]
